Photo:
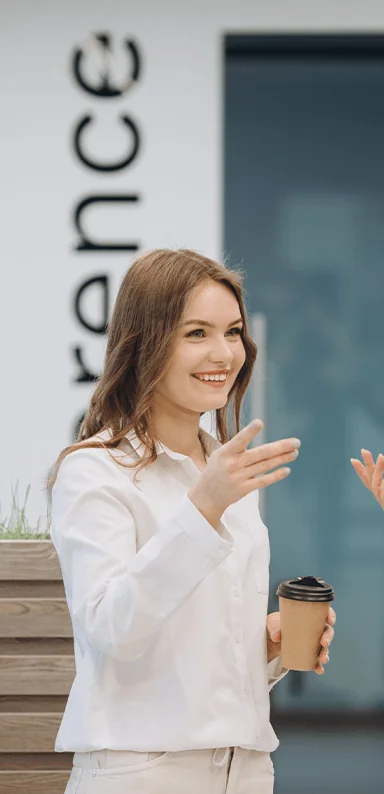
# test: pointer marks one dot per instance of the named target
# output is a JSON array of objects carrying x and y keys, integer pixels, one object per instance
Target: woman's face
[{"x": 208, "y": 353}]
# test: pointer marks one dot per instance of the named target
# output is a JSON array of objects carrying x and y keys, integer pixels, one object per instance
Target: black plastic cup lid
[{"x": 306, "y": 588}]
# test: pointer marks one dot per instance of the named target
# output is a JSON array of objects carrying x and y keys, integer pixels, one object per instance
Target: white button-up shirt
[{"x": 169, "y": 614}]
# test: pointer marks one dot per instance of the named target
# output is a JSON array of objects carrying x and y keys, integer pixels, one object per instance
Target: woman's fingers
[
  {"x": 271, "y": 451},
  {"x": 263, "y": 466},
  {"x": 257, "y": 472},
  {"x": 371, "y": 474},
  {"x": 324, "y": 657},
  {"x": 256, "y": 483},
  {"x": 369, "y": 463},
  {"x": 377, "y": 480},
  {"x": 327, "y": 637},
  {"x": 240, "y": 441},
  {"x": 361, "y": 471}
]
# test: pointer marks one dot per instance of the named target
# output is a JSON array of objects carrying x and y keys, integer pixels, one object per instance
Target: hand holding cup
[
  {"x": 274, "y": 639},
  {"x": 305, "y": 622}
]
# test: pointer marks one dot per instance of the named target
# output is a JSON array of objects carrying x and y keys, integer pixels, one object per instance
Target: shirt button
[
  {"x": 94, "y": 773},
  {"x": 236, "y": 590},
  {"x": 238, "y": 638}
]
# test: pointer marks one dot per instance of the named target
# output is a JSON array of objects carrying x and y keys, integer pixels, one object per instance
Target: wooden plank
[
  {"x": 30, "y": 762},
  {"x": 36, "y": 675},
  {"x": 28, "y": 559},
  {"x": 34, "y": 617},
  {"x": 29, "y": 733},
  {"x": 33, "y": 703},
  {"x": 33, "y": 782},
  {"x": 31, "y": 646},
  {"x": 31, "y": 589}
]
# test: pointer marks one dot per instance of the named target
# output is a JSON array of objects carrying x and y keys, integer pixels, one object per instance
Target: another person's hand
[
  {"x": 233, "y": 471},
  {"x": 274, "y": 639},
  {"x": 371, "y": 474}
]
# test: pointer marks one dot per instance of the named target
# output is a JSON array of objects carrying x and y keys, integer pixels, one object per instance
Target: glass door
[{"x": 303, "y": 214}]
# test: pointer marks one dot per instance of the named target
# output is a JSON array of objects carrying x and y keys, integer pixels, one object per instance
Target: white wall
[{"x": 177, "y": 104}]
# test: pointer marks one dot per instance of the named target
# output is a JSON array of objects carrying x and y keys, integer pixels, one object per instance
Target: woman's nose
[{"x": 222, "y": 353}]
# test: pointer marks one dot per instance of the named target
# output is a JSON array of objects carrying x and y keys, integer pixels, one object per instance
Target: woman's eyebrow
[{"x": 209, "y": 325}]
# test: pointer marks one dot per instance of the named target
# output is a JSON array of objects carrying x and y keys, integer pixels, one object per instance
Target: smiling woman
[
  {"x": 203, "y": 367},
  {"x": 152, "y": 355},
  {"x": 172, "y": 678}
]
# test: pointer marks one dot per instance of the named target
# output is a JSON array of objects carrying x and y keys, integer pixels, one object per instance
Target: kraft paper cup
[{"x": 304, "y": 607}]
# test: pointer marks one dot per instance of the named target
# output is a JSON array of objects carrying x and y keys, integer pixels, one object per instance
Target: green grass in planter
[{"x": 17, "y": 526}]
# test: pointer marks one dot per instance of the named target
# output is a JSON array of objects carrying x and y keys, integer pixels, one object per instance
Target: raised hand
[
  {"x": 371, "y": 474},
  {"x": 233, "y": 471}
]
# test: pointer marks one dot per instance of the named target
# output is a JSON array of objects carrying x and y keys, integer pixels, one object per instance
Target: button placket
[
  {"x": 235, "y": 588},
  {"x": 236, "y": 609}
]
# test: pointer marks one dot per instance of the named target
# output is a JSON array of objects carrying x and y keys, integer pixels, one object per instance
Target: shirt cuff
[
  {"x": 215, "y": 543},
  {"x": 276, "y": 672}
]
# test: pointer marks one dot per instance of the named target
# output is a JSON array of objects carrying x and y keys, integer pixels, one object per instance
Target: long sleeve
[
  {"x": 276, "y": 672},
  {"x": 120, "y": 596}
]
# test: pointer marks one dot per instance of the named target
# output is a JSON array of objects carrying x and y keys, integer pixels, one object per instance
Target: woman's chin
[{"x": 213, "y": 404}]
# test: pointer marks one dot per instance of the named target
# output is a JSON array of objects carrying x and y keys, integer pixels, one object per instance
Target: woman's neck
[{"x": 179, "y": 435}]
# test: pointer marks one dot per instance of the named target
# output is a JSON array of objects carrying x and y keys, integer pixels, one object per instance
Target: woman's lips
[{"x": 216, "y": 384}]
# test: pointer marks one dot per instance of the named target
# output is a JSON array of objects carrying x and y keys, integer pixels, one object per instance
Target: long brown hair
[{"x": 148, "y": 310}]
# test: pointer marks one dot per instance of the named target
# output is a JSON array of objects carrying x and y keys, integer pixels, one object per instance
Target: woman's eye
[
  {"x": 236, "y": 331},
  {"x": 198, "y": 331}
]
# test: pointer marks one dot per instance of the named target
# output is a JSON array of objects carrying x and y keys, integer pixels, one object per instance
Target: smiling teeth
[{"x": 211, "y": 377}]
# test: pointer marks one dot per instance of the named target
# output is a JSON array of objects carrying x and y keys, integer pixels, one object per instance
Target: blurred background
[
  {"x": 304, "y": 209},
  {"x": 249, "y": 131}
]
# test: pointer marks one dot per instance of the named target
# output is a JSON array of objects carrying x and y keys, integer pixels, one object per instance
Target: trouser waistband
[{"x": 102, "y": 759}]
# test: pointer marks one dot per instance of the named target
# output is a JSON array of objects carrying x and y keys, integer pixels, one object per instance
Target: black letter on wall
[
  {"x": 117, "y": 166},
  {"x": 105, "y": 90},
  {"x": 100, "y": 327},
  {"x": 85, "y": 376},
  {"x": 88, "y": 245}
]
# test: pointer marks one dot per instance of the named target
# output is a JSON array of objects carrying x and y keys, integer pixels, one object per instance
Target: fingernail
[
  {"x": 276, "y": 636},
  {"x": 294, "y": 454},
  {"x": 296, "y": 442},
  {"x": 286, "y": 470}
]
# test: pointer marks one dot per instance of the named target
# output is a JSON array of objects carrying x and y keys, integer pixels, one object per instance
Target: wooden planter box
[{"x": 37, "y": 668}]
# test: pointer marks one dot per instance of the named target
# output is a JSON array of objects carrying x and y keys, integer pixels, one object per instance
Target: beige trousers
[{"x": 221, "y": 771}]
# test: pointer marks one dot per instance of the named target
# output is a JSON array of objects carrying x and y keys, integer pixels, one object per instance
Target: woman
[
  {"x": 163, "y": 552},
  {"x": 371, "y": 474}
]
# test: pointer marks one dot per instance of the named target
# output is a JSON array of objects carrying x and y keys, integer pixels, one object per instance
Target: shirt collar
[{"x": 210, "y": 444}]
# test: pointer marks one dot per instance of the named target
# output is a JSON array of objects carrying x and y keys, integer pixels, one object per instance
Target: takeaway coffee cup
[{"x": 304, "y": 607}]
